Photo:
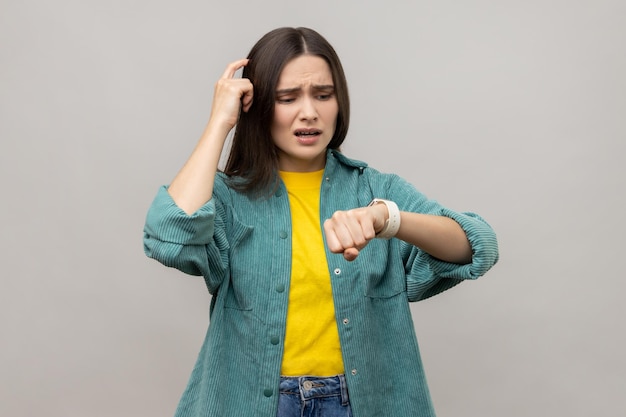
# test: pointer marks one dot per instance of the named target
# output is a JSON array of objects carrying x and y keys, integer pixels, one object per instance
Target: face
[{"x": 305, "y": 114}]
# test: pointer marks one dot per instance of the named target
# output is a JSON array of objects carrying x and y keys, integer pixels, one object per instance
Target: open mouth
[{"x": 307, "y": 133}]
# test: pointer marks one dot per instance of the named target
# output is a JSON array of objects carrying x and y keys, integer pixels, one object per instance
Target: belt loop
[
  {"x": 300, "y": 390},
  {"x": 344, "y": 390}
]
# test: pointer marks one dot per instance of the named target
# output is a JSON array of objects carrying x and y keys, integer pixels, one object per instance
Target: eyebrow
[{"x": 324, "y": 87}]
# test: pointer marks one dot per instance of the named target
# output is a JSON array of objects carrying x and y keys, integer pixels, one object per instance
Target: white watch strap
[{"x": 392, "y": 225}]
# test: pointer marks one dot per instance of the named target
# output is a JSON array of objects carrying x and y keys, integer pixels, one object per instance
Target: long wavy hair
[{"x": 252, "y": 164}]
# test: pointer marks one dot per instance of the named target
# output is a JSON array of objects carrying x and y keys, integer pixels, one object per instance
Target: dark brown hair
[{"x": 253, "y": 162}]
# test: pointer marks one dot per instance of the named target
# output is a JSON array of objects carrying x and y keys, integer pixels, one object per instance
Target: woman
[{"x": 311, "y": 257}]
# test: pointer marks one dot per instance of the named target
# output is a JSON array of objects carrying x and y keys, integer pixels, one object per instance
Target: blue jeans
[{"x": 309, "y": 396}]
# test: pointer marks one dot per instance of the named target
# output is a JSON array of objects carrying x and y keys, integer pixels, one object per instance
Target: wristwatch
[{"x": 392, "y": 225}]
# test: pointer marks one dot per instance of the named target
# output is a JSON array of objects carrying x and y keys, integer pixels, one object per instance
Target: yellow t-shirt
[{"x": 312, "y": 340}]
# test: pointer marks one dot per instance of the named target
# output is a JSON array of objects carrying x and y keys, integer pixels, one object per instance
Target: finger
[
  {"x": 338, "y": 224},
  {"x": 351, "y": 234},
  {"x": 348, "y": 233},
  {"x": 232, "y": 68},
  {"x": 332, "y": 241},
  {"x": 246, "y": 100}
]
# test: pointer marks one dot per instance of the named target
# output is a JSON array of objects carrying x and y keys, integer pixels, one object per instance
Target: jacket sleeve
[
  {"x": 195, "y": 244},
  {"x": 426, "y": 275}
]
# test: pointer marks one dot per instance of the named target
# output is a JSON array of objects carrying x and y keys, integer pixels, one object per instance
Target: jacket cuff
[
  {"x": 484, "y": 245},
  {"x": 167, "y": 222}
]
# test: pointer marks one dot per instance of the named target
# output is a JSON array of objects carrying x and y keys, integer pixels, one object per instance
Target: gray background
[{"x": 514, "y": 110}]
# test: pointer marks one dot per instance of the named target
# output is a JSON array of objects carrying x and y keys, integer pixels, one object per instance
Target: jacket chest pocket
[
  {"x": 384, "y": 285},
  {"x": 383, "y": 275}
]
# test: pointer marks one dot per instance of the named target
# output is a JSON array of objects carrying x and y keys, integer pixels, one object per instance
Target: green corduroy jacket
[{"x": 242, "y": 248}]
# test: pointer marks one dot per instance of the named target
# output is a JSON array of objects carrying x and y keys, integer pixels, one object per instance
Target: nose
[{"x": 308, "y": 111}]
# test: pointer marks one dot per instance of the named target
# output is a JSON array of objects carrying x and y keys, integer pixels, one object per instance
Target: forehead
[{"x": 304, "y": 70}]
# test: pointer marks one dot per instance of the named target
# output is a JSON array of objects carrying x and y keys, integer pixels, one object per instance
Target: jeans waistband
[{"x": 309, "y": 387}]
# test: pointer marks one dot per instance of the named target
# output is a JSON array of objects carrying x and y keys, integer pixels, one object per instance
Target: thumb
[{"x": 350, "y": 254}]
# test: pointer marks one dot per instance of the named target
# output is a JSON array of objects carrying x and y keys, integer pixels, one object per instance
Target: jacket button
[
  {"x": 280, "y": 288},
  {"x": 353, "y": 372},
  {"x": 346, "y": 321},
  {"x": 274, "y": 340},
  {"x": 283, "y": 234},
  {"x": 337, "y": 271},
  {"x": 267, "y": 392}
]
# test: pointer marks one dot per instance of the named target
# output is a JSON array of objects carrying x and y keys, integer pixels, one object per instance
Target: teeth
[{"x": 306, "y": 133}]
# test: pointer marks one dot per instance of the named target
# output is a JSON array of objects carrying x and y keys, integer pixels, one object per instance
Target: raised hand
[
  {"x": 231, "y": 96},
  {"x": 193, "y": 185}
]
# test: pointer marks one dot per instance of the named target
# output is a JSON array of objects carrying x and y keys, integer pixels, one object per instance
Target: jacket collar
[{"x": 335, "y": 158}]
